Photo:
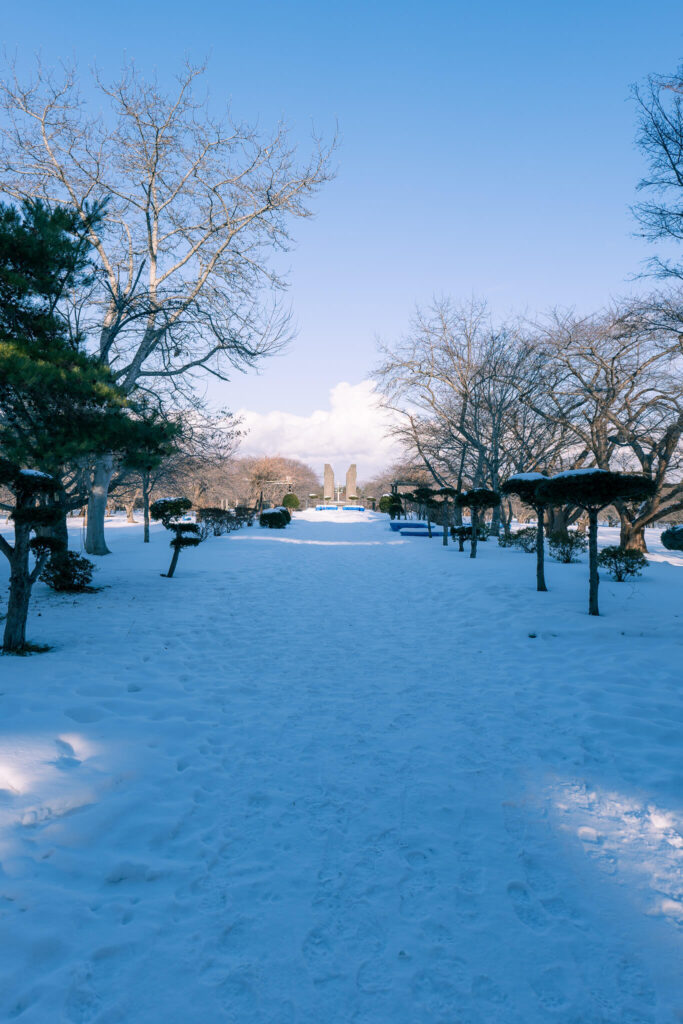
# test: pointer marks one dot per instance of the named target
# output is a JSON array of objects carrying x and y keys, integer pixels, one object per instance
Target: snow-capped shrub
[
  {"x": 672, "y": 539},
  {"x": 567, "y": 547},
  {"x": 275, "y": 518},
  {"x": 69, "y": 573},
  {"x": 525, "y": 539},
  {"x": 621, "y": 564}
]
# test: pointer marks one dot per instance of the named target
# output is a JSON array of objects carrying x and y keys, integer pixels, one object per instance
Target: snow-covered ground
[{"x": 332, "y": 775}]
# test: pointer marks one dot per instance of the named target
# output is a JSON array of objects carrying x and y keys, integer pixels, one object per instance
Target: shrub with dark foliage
[
  {"x": 69, "y": 573},
  {"x": 621, "y": 564},
  {"x": 525, "y": 539},
  {"x": 566, "y": 548},
  {"x": 672, "y": 539},
  {"x": 275, "y": 518}
]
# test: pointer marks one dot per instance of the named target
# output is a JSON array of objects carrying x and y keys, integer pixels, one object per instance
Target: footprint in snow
[
  {"x": 67, "y": 756},
  {"x": 85, "y": 714},
  {"x": 551, "y": 988},
  {"x": 526, "y": 907}
]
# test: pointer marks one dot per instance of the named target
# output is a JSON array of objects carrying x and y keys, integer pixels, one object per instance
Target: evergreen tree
[{"x": 58, "y": 405}]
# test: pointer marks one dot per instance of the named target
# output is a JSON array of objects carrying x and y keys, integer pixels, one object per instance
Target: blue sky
[{"x": 485, "y": 148}]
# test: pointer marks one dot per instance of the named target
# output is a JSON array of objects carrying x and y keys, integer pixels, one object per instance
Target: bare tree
[
  {"x": 268, "y": 478},
  {"x": 195, "y": 208},
  {"x": 660, "y": 137},
  {"x": 461, "y": 385},
  {"x": 617, "y": 389}
]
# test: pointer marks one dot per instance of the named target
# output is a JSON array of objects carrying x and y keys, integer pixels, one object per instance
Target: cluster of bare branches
[
  {"x": 480, "y": 401},
  {"x": 195, "y": 208}
]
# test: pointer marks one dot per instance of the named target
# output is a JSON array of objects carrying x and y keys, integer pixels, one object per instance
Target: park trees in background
[
  {"x": 195, "y": 207},
  {"x": 462, "y": 385}
]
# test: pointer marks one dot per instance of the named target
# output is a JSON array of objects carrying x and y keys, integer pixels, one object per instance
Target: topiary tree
[
  {"x": 291, "y": 501},
  {"x": 424, "y": 498},
  {"x": 477, "y": 501},
  {"x": 185, "y": 535},
  {"x": 35, "y": 506},
  {"x": 385, "y": 504},
  {"x": 524, "y": 485},
  {"x": 445, "y": 495},
  {"x": 672, "y": 539},
  {"x": 593, "y": 490},
  {"x": 622, "y": 564}
]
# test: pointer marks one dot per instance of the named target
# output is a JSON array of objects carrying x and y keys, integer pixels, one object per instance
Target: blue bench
[
  {"x": 403, "y": 524},
  {"x": 418, "y": 533}
]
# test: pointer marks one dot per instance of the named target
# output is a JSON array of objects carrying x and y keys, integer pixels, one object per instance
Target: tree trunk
[
  {"x": 174, "y": 562},
  {"x": 540, "y": 552},
  {"x": 58, "y": 532},
  {"x": 95, "y": 544},
  {"x": 445, "y": 524},
  {"x": 429, "y": 526},
  {"x": 474, "y": 518},
  {"x": 130, "y": 518},
  {"x": 632, "y": 537},
  {"x": 593, "y": 562},
  {"x": 557, "y": 521},
  {"x": 494, "y": 528},
  {"x": 14, "y": 640},
  {"x": 145, "y": 506}
]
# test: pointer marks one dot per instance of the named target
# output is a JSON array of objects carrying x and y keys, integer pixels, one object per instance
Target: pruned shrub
[
  {"x": 275, "y": 518},
  {"x": 69, "y": 573},
  {"x": 622, "y": 564},
  {"x": 168, "y": 509},
  {"x": 672, "y": 539},
  {"x": 567, "y": 547},
  {"x": 291, "y": 501},
  {"x": 525, "y": 539},
  {"x": 185, "y": 535}
]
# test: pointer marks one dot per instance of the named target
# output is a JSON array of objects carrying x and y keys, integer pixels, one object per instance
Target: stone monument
[
  {"x": 351, "y": 483},
  {"x": 328, "y": 487}
]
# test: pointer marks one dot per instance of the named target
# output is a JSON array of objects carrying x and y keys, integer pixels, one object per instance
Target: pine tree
[{"x": 58, "y": 405}]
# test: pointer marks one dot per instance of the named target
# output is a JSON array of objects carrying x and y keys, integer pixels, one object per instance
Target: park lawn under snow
[{"x": 330, "y": 774}]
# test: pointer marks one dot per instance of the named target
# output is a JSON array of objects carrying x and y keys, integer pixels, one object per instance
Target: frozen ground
[{"x": 330, "y": 776}]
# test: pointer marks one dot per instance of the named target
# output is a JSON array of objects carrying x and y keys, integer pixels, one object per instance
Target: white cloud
[{"x": 353, "y": 429}]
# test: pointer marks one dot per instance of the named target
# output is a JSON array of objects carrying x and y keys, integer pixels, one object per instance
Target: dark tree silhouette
[
  {"x": 593, "y": 490},
  {"x": 524, "y": 485},
  {"x": 477, "y": 501}
]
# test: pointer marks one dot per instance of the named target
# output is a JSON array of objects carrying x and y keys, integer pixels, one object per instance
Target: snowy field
[{"x": 333, "y": 776}]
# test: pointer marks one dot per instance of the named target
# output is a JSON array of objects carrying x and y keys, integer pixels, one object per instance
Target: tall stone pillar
[
  {"x": 351, "y": 483},
  {"x": 328, "y": 483}
]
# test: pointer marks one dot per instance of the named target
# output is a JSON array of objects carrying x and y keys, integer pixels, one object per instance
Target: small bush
[
  {"x": 525, "y": 539},
  {"x": 567, "y": 547},
  {"x": 68, "y": 573},
  {"x": 290, "y": 501},
  {"x": 506, "y": 540},
  {"x": 275, "y": 518},
  {"x": 621, "y": 564},
  {"x": 672, "y": 539}
]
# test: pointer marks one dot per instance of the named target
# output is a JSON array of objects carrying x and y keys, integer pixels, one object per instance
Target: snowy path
[{"x": 332, "y": 776}]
